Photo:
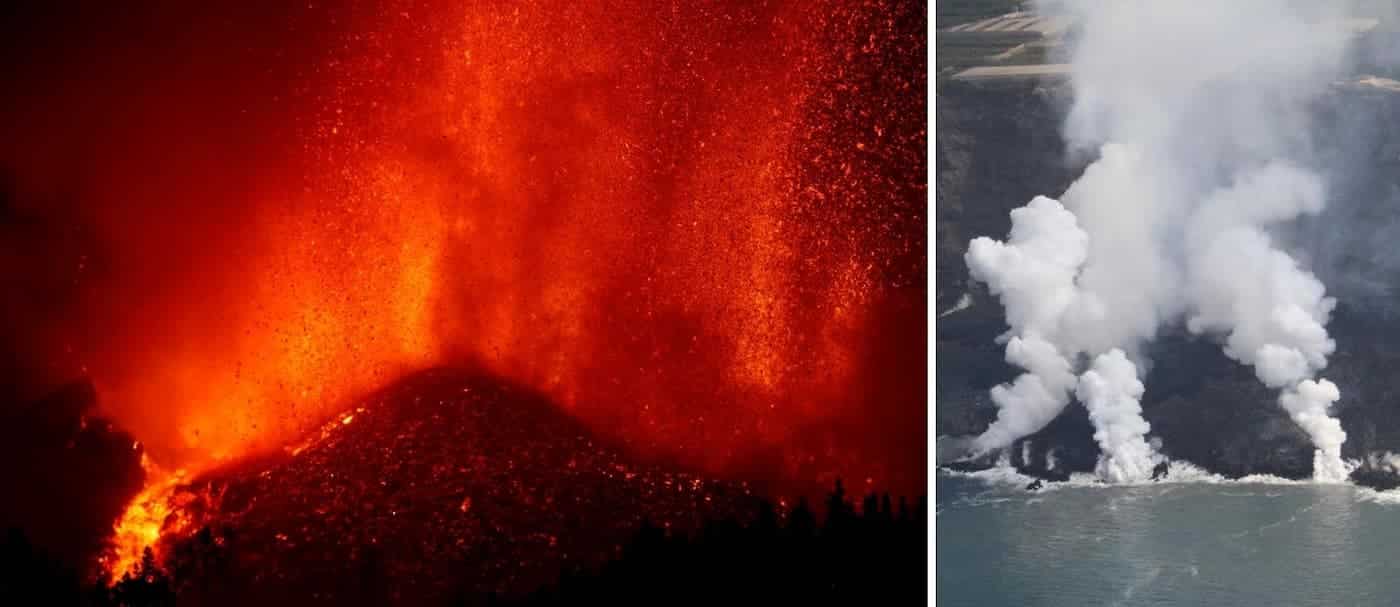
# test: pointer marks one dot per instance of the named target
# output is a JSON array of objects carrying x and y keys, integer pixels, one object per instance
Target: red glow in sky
[{"x": 698, "y": 227}]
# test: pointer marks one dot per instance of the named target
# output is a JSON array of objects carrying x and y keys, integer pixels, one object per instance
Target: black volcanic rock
[
  {"x": 1159, "y": 471},
  {"x": 446, "y": 483},
  {"x": 1380, "y": 480}
]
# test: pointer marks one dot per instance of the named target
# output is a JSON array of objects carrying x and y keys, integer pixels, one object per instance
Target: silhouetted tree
[
  {"x": 772, "y": 557},
  {"x": 854, "y": 557},
  {"x": 801, "y": 523},
  {"x": 148, "y": 585}
]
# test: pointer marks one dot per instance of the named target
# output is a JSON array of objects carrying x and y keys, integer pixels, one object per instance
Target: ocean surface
[{"x": 1193, "y": 539}]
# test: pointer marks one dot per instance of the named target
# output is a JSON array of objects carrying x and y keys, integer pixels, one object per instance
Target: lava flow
[
  {"x": 144, "y": 520},
  {"x": 698, "y": 228}
]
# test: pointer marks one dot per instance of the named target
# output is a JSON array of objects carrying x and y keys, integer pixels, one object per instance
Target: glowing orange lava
[
  {"x": 699, "y": 228},
  {"x": 144, "y": 520}
]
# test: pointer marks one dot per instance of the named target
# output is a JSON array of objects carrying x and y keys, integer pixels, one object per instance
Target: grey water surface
[{"x": 1165, "y": 544}]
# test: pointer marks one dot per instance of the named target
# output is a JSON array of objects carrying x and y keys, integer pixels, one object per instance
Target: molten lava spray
[{"x": 698, "y": 227}]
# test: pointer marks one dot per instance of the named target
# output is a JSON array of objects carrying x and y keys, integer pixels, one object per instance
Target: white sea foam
[
  {"x": 1178, "y": 473},
  {"x": 997, "y": 475},
  {"x": 1384, "y": 498}
]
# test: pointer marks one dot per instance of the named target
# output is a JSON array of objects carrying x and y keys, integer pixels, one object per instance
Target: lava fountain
[{"x": 699, "y": 228}]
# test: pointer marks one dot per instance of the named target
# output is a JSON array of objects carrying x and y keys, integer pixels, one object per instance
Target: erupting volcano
[
  {"x": 455, "y": 481},
  {"x": 680, "y": 245}
]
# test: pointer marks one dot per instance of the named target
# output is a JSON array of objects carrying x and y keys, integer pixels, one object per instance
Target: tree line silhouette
[
  {"x": 876, "y": 551},
  {"x": 855, "y": 556}
]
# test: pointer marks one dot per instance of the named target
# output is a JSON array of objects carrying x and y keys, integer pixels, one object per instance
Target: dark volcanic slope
[{"x": 446, "y": 482}]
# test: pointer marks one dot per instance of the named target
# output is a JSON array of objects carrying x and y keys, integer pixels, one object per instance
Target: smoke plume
[{"x": 1200, "y": 146}]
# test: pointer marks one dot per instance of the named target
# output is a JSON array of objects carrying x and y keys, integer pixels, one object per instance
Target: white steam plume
[
  {"x": 1067, "y": 294},
  {"x": 1273, "y": 312},
  {"x": 1385, "y": 460},
  {"x": 1200, "y": 137},
  {"x": 1111, "y": 391},
  {"x": 1307, "y": 404},
  {"x": 1033, "y": 274}
]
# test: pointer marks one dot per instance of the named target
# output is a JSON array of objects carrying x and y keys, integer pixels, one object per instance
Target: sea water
[{"x": 1194, "y": 539}]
